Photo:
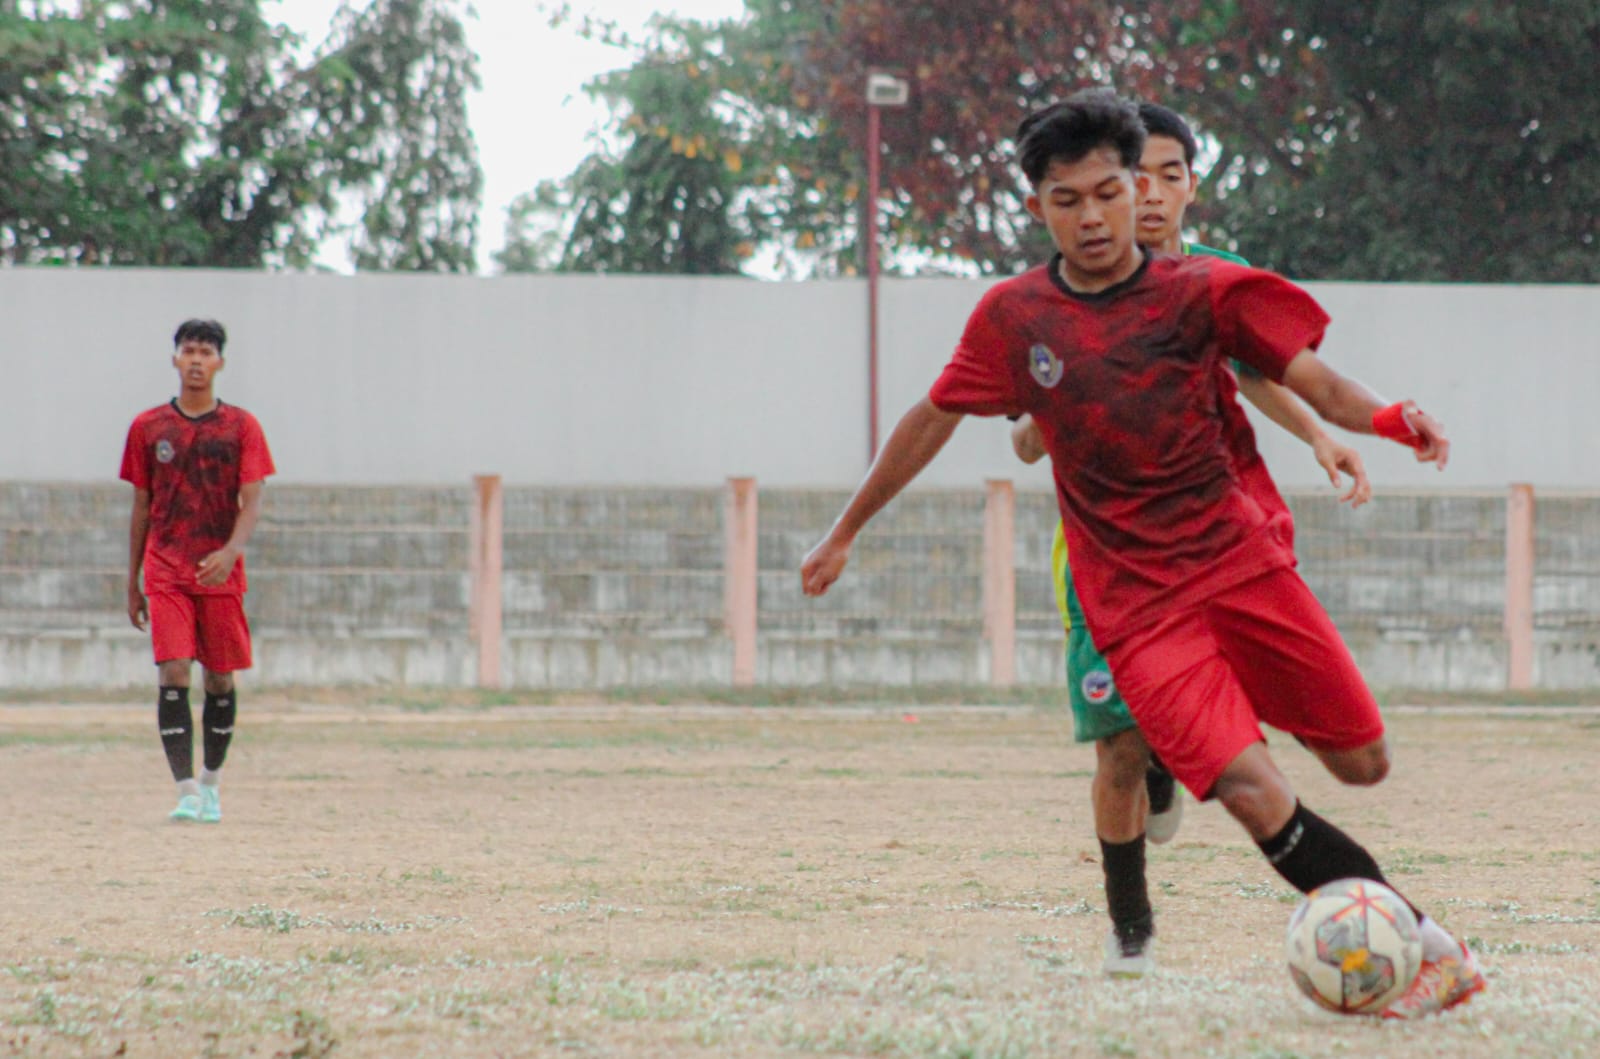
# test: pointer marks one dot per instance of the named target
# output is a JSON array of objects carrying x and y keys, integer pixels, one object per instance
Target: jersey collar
[
  {"x": 1054, "y": 269},
  {"x": 199, "y": 418}
]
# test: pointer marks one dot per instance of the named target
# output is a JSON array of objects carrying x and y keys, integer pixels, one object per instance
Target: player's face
[
  {"x": 197, "y": 363},
  {"x": 1088, "y": 206},
  {"x": 1170, "y": 187}
]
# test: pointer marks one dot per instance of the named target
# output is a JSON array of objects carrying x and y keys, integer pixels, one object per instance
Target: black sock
[
  {"x": 216, "y": 724},
  {"x": 1127, "y": 894},
  {"x": 1309, "y": 851},
  {"x": 176, "y": 724}
]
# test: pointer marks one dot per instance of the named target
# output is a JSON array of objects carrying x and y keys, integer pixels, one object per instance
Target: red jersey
[
  {"x": 194, "y": 469},
  {"x": 1247, "y": 461},
  {"x": 1130, "y": 394}
]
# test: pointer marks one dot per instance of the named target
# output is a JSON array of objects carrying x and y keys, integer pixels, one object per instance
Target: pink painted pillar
[
  {"x": 1519, "y": 587},
  {"x": 1000, "y": 580},
  {"x": 739, "y": 577},
  {"x": 485, "y": 561}
]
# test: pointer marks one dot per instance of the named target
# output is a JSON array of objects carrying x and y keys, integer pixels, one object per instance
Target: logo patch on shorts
[
  {"x": 1044, "y": 365},
  {"x": 1097, "y": 686},
  {"x": 165, "y": 451}
]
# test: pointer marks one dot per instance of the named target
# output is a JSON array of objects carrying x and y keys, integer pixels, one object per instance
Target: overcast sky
[{"x": 531, "y": 117}]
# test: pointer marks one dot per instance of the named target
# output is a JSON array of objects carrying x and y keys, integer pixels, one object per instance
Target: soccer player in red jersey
[
  {"x": 1133, "y": 796},
  {"x": 1114, "y": 352},
  {"x": 197, "y": 467}
]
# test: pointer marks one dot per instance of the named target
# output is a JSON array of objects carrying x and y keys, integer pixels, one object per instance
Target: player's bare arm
[
  {"x": 215, "y": 568},
  {"x": 1346, "y": 403},
  {"x": 916, "y": 440},
  {"x": 1026, "y": 440},
  {"x": 138, "y": 531},
  {"x": 1284, "y": 409}
]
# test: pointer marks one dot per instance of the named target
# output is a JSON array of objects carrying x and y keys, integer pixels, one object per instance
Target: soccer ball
[{"x": 1353, "y": 946}]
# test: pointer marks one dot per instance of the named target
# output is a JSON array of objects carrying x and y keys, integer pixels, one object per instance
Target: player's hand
[
  {"x": 215, "y": 568},
  {"x": 1336, "y": 459},
  {"x": 823, "y": 565},
  {"x": 138, "y": 609},
  {"x": 1435, "y": 447}
]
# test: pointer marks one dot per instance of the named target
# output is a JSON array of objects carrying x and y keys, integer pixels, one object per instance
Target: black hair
[
  {"x": 1164, "y": 121},
  {"x": 200, "y": 331},
  {"x": 1069, "y": 130}
]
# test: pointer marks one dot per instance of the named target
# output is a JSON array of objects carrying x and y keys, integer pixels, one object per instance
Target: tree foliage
[
  {"x": 392, "y": 111},
  {"x": 713, "y": 149},
  {"x": 1374, "y": 139},
  {"x": 1456, "y": 143},
  {"x": 662, "y": 199},
  {"x": 186, "y": 132}
]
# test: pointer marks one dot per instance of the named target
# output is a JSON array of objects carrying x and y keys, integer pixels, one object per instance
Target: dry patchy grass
[{"x": 710, "y": 881}]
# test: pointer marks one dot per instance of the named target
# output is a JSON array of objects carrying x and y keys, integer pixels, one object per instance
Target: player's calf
[
  {"x": 175, "y": 723},
  {"x": 216, "y": 727}
]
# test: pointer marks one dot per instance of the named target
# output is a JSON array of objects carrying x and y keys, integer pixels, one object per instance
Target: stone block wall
[{"x": 611, "y": 586}]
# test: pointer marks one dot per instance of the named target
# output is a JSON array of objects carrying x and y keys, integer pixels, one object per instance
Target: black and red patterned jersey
[
  {"x": 1247, "y": 461},
  {"x": 1129, "y": 389},
  {"x": 193, "y": 468}
]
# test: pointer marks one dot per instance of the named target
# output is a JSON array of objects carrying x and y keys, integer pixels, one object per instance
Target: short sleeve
[
  {"x": 255, "y": 461},
  {"x": 136, "y": 458},
  {"x": 1263, "y": 320},
  {"x": 978, "y": 379}
]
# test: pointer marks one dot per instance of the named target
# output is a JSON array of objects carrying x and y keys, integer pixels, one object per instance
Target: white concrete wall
[
  {"x": 677, "y": 381},
  {"x": 1512, "y": 372}
]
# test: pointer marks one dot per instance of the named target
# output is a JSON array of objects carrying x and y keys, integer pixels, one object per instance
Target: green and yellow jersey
[{"x": 1211, "y": 251}]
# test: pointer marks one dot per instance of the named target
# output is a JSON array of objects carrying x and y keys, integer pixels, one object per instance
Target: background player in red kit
[
  {"x": 197, "y": 466},
  {"x": 1193, "y": 599}
]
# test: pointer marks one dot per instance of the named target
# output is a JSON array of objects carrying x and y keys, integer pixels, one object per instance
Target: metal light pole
[{"x": 883, "y": 90}]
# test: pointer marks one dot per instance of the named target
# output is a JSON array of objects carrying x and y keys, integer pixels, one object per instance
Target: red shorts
[
  {"x": 1202, "y": 682},
  {"x": 209, "y": 628}
]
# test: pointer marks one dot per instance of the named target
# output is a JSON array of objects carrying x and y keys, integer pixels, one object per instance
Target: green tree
[
  {"x": 662, "y": 200},
  {"x": 1455, "y": 142},
  {"x": 786, "y": 84},
  {"x": 183, "y": 132},
  {"x": 391, "y": 115},
  {"x": 706, "y": 156},
  {"x": 1368, "y": 140}
]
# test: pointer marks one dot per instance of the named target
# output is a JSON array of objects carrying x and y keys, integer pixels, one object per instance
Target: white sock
[
  {"x": 210, "y": 777},
  {"x": 1436, "y": 941},
  {"x": 187, "y": 787}
]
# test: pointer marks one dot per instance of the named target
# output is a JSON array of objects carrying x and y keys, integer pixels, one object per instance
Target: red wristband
[{"x": 1390, "y": 422}]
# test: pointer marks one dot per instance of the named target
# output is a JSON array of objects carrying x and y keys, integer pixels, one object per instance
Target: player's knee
[
  {"x": 1246, "y": 802},
  {"x": 218, "y": 683},
  {"x": 1364, "y": 766},
  {"x": 174, "y": 672},
  {"x": 1259, "y": 799}
]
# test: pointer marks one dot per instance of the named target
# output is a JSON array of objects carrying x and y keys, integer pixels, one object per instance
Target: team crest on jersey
[
  {"x": 1097, "y": 686},
  {"x": 165, "y": 451},
  {"x": 1044, "y": 365}
]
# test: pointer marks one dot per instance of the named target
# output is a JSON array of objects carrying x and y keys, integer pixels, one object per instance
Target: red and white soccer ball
[{"x": 1353, "y": 946}]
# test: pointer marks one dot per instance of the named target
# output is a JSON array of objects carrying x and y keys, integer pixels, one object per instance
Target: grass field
[{"x": 438, "y": 879}]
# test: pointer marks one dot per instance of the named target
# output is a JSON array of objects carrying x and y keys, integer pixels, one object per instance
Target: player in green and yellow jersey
[{"x": 1134, "y": 796}]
